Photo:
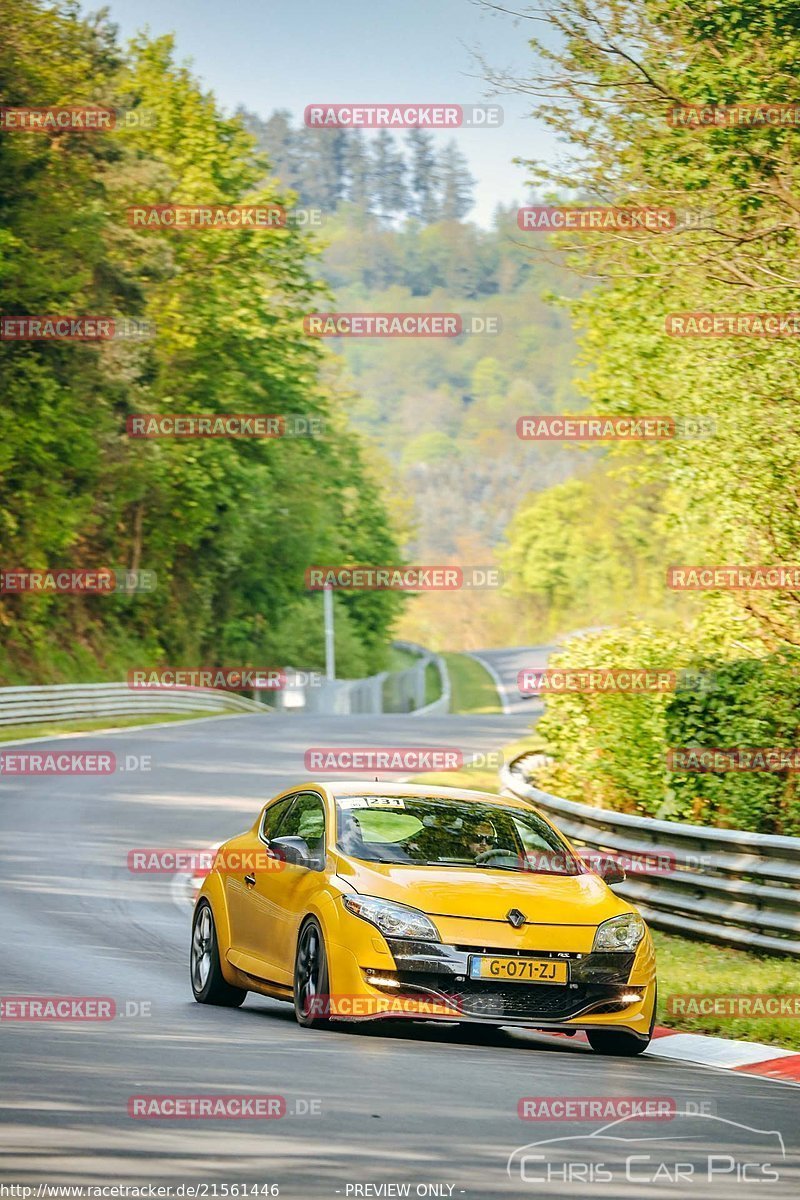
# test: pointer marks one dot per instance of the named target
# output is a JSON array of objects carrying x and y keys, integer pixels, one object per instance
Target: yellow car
[{"x": 358, "y": 901}]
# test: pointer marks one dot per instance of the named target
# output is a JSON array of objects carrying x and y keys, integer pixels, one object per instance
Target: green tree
[
  {"x": 423, "y": 176},
  {"x": 358, "y": 171},
  {"x": 456, "y": 184},
  {"x": 389, "y": 174},
  {"x": 618, "y": 72},
  {"x": 227, "y": 526},
  {"x": 609, "y": 80}
]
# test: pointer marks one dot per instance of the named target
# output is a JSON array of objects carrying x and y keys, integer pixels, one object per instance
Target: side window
[
  {"x": 306, "y": 819},
  {"x": 544, "y": 851},
  {"x": 272, "y": 817},
  {"x": 534, "y": 839}
]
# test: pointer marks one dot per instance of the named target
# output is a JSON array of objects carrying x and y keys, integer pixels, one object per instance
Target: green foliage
[
  {"x": 599, "y": 549},
  {"x": 755, "y": 703},
  {"x": 730, "y": 497},
  {"x": 610, "y": 747},
  {"x": 227, "y": 526},
  {"x": 444, "y": 410},
  {"x": 587, "y": 552}
]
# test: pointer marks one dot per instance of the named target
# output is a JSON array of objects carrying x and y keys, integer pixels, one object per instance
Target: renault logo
[{"x": 515, "y": 917}]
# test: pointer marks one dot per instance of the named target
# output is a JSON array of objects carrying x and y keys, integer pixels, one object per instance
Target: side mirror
[
  {"x": 292, "y": 850},
  {"x": 607, "y": 867},
  {"x": 611, "y": 872}
]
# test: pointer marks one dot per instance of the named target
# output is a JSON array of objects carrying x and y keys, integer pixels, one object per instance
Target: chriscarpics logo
[{"x": 631, "y": 1157}]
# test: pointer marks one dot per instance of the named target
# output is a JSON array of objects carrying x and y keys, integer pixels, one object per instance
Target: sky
[{"x": 265, "y": 54}]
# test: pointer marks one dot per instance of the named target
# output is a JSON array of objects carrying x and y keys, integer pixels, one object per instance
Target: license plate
[{"x": 518, "y": 970}]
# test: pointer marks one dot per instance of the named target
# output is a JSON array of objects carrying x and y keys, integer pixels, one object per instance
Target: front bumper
[{"x": 431, "y": 981}]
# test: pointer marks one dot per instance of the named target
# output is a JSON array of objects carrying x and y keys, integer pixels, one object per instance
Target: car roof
[{"x": 388, "y": 787}]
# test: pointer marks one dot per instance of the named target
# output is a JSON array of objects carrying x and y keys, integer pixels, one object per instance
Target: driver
[{"x": 481, "y": 838}]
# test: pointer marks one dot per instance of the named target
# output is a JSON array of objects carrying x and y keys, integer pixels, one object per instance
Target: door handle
[{"x": 250, "y": 880}]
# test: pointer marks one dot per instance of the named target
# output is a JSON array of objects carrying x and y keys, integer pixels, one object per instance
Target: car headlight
[
  {"x": 619, "y": 933},
  {"x": 393, "y": 920}
]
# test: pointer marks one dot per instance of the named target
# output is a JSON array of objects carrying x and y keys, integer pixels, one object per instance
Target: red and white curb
[
  {"x": 753, "y": 1058},
  {"x": 728, "y": 1054}
]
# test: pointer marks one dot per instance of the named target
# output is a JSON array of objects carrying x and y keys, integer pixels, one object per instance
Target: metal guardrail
[
  {"x": 342, "y": 697},
  {"x": 387, "y": 692},
  {"x": 442, "y": 705},
  {"x": 727, "y": 886},
  {"x": 72, "y": 701}
]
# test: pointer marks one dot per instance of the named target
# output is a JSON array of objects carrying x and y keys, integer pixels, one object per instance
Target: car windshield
[{"x": 438, "y": 831}]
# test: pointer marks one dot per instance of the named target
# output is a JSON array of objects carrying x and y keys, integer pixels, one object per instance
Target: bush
[
  {"x": 755, "y": 703},
  {"x": 610, "y": 748}
]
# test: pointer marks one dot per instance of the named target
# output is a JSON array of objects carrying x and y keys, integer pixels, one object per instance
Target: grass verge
[
  {"x": 433, "y": 683},
  {"x": 472, "y": 687},
  {"x": 686, "y": 966},
  {"x": 10, "y": 733}
]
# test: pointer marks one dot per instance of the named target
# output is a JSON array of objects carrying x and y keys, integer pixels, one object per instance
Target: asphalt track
[
  {"x": 405, "y": 1105},
  {"x": 504, "y": 667}
]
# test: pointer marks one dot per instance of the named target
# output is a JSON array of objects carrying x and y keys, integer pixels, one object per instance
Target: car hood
[{"x": 486, "y": 894}]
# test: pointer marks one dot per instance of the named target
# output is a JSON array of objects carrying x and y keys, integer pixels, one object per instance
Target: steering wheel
[{"x": 486, "y": 856}]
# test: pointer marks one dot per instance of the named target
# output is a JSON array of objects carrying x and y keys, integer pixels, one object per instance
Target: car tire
[
  {"x": 311, "y": 978},
  {"x": 209, "y": 985},
  {"x": 616, "y": 1041}
]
